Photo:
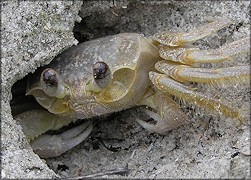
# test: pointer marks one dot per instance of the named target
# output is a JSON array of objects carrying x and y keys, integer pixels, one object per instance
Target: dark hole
[
  {"x": 62, "y": 167},
  {"x": 21, "y": 103}
]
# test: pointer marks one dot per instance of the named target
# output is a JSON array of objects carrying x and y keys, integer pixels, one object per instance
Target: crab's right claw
[
  {"x": 54, "y": 145},
  {"x": 165, "y": 113}
]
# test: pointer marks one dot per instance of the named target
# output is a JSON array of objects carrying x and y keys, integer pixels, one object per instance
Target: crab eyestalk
[
  {"x": 102, "y": 74},
  {"x": 50, "y": 83},
  {"x": 102, "y": 77}
]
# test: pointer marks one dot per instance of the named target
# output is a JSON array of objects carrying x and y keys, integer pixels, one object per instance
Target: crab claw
[
  {"x": 54, "y": 145},
  {"x": 171, "y": 120},
  {"x": 164, "y": 113}
]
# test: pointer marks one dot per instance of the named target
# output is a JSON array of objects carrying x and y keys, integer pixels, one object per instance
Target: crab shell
[{"x": 129, "y": 56}]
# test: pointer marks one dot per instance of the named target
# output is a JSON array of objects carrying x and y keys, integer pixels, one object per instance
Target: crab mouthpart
[{"x": 52, "y": 104}]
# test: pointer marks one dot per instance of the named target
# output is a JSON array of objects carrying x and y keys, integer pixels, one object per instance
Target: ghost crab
[{"x": 117, "y": 72}]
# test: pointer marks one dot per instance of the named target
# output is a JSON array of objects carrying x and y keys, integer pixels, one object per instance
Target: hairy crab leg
[
  {"x": 164, "y": 83},
  {"x": 216, "y": 55},
  {"x": 177, "y": 39},
  {"x": 182, "y": 73},
  {"x": 164, "y": 111},
  {"x": 191, "y": 56}
]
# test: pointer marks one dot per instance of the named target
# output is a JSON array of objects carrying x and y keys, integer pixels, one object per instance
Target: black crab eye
[
  {"x": 50, "y": 81},
  {"x": 102, "y": 74}
]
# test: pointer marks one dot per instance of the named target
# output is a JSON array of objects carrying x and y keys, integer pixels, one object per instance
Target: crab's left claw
[
  {"x": 36, "y": 122},
  {"x": 54, "y": 145}
]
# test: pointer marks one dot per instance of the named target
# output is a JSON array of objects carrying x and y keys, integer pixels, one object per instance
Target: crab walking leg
[
  {"x": 191, "y": 55},
  {"x": 177, "y": 39},
  {"x": 166, "y": 113},
  {"x": 216, "y": 55},
  {"x": 182, "y": 73},
  {"x": 206, "y": 30},
  {"x": 54, "y": 145},
  {"x": 163, "y": 82}
]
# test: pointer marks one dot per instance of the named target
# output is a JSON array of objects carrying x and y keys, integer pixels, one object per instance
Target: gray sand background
[{"x": 33, "y": 33}]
